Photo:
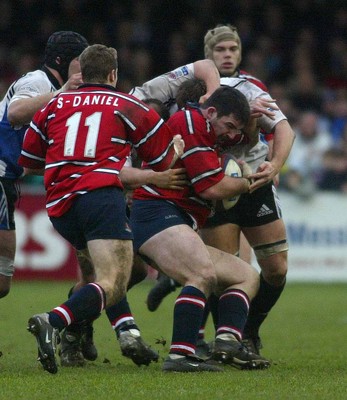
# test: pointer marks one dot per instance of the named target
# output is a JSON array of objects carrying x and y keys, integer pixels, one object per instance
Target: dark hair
[
  {"x": 228, "y": 100},
  {"x": 97, "y": 61},
  {"x": 61, "y": 48},
  {"x": 190, "y": 91},
  {"x": 159, "y": 107}
]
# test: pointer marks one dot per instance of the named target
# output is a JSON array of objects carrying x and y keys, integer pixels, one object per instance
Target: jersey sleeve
[
  {"x": 153, "y": 141},
  {"x": 165, "y": 87},
  {"x": 31, "y": 85}
]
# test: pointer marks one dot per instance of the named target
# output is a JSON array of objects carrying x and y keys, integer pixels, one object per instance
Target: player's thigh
[
  {"x": 245, "y": 250},
  {"x": 233, "y": 272},
  {"x": 264, "y": 234},
  {"x": 224, "y": 237},
  {"x": 180, "y": 253}
]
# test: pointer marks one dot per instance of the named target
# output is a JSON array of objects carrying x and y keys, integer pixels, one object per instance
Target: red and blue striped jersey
[
  {"x": 200, "y": 161},
  {"x": 83, "y": 137}
]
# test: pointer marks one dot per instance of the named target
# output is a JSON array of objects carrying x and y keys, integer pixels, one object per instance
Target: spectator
[
  {"x": 334, "y": 171},
  {"x": 306, "y": 158}
]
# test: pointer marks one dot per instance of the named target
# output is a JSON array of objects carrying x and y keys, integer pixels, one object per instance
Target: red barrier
[{"x": 41, "y": 252}]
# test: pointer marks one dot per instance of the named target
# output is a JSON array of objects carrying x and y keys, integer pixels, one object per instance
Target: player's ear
[
  {"x": 114, "y": 76},
  {"x": 211, "y": 113}
]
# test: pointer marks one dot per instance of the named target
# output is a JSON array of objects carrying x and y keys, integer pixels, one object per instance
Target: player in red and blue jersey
[
  {"x": 82, "y": 139},
  {"x": 165, "y": 225}
]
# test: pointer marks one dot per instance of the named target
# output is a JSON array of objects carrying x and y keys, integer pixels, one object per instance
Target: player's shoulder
[
  {"x": 191, "y": 111},
  {"x": 34, "y": 76},
  {"x": 187, "y": 119},
  {"x": 251, "y": 78},
  {"x": 234, "y": 82},
  {"x": 34, "y": 81},
  {"x": 245, "y": 86}
]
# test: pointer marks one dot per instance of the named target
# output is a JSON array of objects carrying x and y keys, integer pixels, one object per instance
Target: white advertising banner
[
  {"x": 317, "y": 236},
  {"x": 316, "y": 230}
]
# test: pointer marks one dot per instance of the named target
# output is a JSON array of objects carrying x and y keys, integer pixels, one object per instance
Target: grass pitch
[{"x": 305, "y": 336}]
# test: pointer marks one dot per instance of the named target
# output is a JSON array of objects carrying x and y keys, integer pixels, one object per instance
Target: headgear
[
  {"x": 219, "y": 34},
  {"x": 66, "y": 45}
]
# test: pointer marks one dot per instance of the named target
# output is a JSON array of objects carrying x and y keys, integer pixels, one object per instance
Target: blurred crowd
[{"x": 298, "y": 48}]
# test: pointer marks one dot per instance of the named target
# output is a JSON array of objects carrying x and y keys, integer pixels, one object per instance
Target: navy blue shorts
[
  {"x": 149, "y": 217},
  {"x": 99, "y": 214},
  {"x": 8, "y": 197},
  {"x": 252, "y": 209}
]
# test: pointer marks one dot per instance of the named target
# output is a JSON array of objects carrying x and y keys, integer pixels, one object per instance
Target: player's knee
[
  {"x": 275, "y": 272},
  {"x": 250, "y": 284},
  {"x": 206, "y": 278},
  {"x": 113, "y": 295},
  {"x": 6, "y": 273}
]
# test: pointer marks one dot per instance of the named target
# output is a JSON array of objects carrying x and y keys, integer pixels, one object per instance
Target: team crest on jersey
[{"x": 177, "y": 73}]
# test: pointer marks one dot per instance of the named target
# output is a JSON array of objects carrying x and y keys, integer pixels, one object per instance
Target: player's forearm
[
  {"x": 34, "y": 171},
  {"x": 21, "y": 112},
  {"x": 133, "y": 178},
  {"x": 282, "y": 144},
  {"x": 226, "y": 188}
]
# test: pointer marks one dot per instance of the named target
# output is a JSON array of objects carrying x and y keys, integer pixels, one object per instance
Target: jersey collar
[{"x": 51, "y": 77}]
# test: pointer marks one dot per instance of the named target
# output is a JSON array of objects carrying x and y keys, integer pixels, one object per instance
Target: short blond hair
[{"x": 219, "y": 34}]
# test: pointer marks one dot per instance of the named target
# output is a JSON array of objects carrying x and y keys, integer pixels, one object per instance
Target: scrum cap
[
  {"x": 219, "y": 34},
  {"x": 66, "y": 45}
]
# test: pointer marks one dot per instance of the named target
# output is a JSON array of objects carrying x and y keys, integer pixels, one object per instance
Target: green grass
[{"x": 305, "y": 335}]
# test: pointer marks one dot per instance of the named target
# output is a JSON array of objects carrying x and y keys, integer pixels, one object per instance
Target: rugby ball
[{"x": 230, "y": 168}]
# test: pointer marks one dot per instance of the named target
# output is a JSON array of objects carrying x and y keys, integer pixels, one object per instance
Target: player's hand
[
  {"x": 73, "y": 82},
  {"x": 171, "y": 179},
  {"x": 3, "y": 166},
  {"x": 263, "y": 106},
  {"x": 179, "y": 144},
  {"x": 265, "y": 174}
]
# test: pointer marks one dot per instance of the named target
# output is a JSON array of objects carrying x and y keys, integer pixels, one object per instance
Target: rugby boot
[
  {"x": 47, "y": 338},
  {"x": 88, "y": 348},
  {"x": 70, "y": 349},
  {"x": 189, "y": 363},
  {"x": 234, "y": 353},
  {"x": 134, "y": 347},
  {"x": 253, "y": 344}
]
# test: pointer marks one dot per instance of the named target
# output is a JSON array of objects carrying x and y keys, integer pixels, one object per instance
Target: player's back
[
  {"x": 85, "y": 137},
  {"x": 200, "y": 161}
]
